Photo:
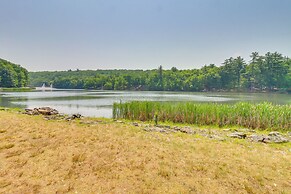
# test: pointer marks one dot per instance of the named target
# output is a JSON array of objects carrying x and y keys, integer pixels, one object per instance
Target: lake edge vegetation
[
  {"x": 269, "y": 72},
  {"x": 256, "y": 116}
]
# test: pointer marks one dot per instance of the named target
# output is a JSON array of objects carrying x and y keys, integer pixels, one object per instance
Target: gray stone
[
  {"x": 258, "y": 138},
  {"x": 274, "y": 133},
  {"x": 239, "y": 135},
  {"x": 42, "y": 111},
  {"x": 163, "y": 126},
  {"x": 187, "y": 130},
  {"x": 135, "y": 124},
  {"x": 268, "y": 138},
  {"x": 154, "y": 129},
  {"x": 74, "y": 116},
  {"x": 279, "y": 139}
]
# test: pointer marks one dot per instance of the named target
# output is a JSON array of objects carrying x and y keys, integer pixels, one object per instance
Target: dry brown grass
[{"x": 38, "y": 156}]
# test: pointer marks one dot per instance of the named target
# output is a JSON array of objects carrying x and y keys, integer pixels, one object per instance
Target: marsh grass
[{"x": 256, "y": 116}]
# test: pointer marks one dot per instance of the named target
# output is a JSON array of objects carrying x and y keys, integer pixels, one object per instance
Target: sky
[{"x": 49, "y": 35}]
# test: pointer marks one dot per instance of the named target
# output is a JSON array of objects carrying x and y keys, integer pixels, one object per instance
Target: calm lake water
[{"x": 99, "y": 103}]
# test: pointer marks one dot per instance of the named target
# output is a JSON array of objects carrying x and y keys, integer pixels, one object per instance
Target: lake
[{"x": 99, "y": 103}]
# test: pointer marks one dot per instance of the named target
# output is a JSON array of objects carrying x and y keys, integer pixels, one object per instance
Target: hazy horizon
[{"x": 59, "y": 35}]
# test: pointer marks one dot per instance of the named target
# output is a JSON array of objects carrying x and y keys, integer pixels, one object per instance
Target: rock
[
  {"x": 268, "y": 138},
  {"x": 258, "y": 138},
  {"x": 279, "y": 139},
  {"x": 203, "y": 132},
  {"x": 32, "y": 111},
  {"x": 164, "y": 126},
  {"x": 159, "y": 128},
  {"x": 154, "y": 129},
  {"x": 239, "y": 135},
  {"x": 47, "y": 111},
  {"x": 274, "y": 133},
  {"x": 42, "y": 111},
  {"x": 74, "y": 116},
  {"x": 135, "y": 124},
  {"x": 187, "y": 130}
]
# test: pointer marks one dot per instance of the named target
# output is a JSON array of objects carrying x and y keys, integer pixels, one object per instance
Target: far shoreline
[{"x": 31, "y": 89}]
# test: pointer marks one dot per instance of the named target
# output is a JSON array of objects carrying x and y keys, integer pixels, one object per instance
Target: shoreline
[
  {"x": 223, "y": 133},
  {"x": 35, "y": 88}
]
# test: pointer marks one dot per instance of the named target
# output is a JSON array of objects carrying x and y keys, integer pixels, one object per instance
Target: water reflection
[{"x": 99, "y": 103}]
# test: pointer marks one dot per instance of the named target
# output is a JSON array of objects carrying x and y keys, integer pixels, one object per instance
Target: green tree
[
  {"x": 120, "y": 83},
  {"x": 274, "y": 70},
  {"x": 268, "y": 71},
  {"x": 161, "y": 81}
]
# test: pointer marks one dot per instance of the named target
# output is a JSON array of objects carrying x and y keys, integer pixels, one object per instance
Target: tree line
[
  {"x": 271, "y": 71},
  {"x": 12, "y": 75}
]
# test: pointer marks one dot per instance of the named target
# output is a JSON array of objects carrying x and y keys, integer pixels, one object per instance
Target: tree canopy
[
  {"x": 269, "y": 72},
  {"x": 12, "y": 75}
]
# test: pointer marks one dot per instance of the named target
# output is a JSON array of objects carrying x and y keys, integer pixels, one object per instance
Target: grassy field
[
  {"x": 255, "y": 116},
  {"x": 39, "y": 156}
]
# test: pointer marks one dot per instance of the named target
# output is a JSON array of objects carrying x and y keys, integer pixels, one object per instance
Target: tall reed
[{"x": 262, "y": 116}]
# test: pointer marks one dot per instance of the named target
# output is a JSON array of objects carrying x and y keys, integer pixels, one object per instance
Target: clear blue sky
[{"x": 140, "y": 34}]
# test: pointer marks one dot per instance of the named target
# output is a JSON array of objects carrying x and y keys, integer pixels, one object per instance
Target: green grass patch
[
  {"x": 25, "y": 89},
  {"x": 256, "y": 116}
]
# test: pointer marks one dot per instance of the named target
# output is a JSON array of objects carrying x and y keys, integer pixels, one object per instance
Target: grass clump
[{"x": 261, "y": 116}]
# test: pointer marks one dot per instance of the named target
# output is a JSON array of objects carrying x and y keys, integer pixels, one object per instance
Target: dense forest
[
  {"x": 12, "y": 75},
  {"x": 270, "y": 72}
]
